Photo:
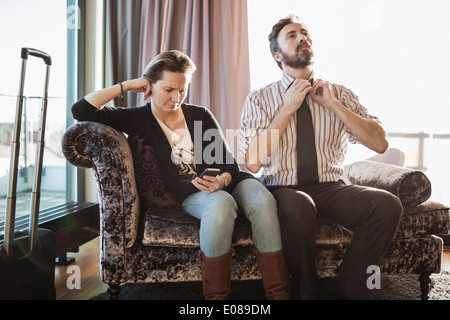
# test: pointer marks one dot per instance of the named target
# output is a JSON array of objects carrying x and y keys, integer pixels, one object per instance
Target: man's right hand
[
  {"x": 261, "y": 148},
  {"x": 296, "y": 94}
]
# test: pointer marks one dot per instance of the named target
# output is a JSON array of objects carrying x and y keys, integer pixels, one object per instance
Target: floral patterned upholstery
[
  {"x": 146, "y": 237},
  {"x": 412, "y": 187}
]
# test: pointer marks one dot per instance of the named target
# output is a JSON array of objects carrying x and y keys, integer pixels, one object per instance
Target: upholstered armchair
[{"x": 146, "y": 237}]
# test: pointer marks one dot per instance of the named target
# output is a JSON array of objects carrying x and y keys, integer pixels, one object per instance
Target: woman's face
[{"x": 169, "y": 93}]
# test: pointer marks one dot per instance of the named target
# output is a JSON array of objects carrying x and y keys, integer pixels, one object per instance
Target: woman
[{"x": 181, "y": 158}]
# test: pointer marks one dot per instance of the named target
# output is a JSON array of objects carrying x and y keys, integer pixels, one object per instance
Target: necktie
[{"x": 306, "y": 147}]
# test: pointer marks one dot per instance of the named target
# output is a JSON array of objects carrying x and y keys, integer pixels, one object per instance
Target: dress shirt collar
[{"x": 286, "y": 80}]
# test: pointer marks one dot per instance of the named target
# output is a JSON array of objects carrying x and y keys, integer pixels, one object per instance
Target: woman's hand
[
  {"x": 101, "y": 97},
  {"x": 138, "y": 85},
  {"x": 208, "y": 184}
]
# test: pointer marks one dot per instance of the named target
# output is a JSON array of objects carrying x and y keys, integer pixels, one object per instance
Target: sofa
[{"x": 147, "y": 238}]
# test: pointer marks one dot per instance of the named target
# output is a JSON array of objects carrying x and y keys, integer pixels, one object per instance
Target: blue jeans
[{"x": 217, "y": 212}]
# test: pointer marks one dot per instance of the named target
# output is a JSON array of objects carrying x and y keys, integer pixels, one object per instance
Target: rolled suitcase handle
[{"x": 36, "y": 53}]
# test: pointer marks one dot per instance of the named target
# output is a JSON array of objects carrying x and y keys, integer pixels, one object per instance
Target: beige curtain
[{"x": 214, "y": 34}]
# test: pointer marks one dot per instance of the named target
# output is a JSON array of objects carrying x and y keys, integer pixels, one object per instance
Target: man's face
[{"x": 295, "y": 46}]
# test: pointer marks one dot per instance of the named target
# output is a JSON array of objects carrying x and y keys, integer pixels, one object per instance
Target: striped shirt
[{"x": 331, "y": 135}]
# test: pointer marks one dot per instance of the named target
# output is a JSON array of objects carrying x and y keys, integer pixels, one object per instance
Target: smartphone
[{"x": 210, "y": 172}]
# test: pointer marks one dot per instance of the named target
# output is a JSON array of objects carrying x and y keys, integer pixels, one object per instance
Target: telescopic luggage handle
[
  {"x": 36, "y": 53},
  {"x": 15, "y": 149}
]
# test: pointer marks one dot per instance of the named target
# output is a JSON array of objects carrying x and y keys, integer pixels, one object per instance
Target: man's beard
[{"x": 303, "y": 59}]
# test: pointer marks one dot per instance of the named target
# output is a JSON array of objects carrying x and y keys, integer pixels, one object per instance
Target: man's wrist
[{"x": 333, "y": 104}]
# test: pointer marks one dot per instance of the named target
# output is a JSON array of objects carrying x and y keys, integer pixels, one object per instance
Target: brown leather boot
[
  {"x": 275, "y": 274},
  {"x": 216, "y": 276}
]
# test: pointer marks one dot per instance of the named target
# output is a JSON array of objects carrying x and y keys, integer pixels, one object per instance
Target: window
[
  {"x": 392, "y": 54},
  {"x": 42, "y": 25}
]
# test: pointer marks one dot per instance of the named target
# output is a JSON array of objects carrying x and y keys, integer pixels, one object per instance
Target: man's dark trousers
[{"x": 372, "y": 214}]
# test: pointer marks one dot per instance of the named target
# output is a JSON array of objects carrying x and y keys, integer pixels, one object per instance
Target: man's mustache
[{"x": 303, "y": 45}]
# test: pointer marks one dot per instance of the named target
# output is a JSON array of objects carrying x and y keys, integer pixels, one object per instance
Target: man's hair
[
  {"x": 273, "y": 36},
  {"x": 173, "y": 61}
]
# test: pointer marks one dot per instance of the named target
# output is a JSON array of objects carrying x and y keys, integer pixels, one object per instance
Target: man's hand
[
  {"x": 295, "y": 95},
  {"x": 367, "y": 131},
  {"x": 261, "y": 148},
  {"x": 322, "y": 94}
]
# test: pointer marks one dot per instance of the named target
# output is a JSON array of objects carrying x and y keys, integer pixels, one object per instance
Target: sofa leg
[
  {"x": 425, "y": 281},
  {"x": 113, "y": 291}
]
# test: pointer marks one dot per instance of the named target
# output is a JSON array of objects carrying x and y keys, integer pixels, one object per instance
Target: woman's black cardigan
[{"x": 138, "y": 120}]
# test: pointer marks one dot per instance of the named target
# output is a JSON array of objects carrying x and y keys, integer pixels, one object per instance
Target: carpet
[{"x": 393, "y": 287}]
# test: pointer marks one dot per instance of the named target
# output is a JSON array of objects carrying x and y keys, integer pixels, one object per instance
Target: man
[{"x": 297, "y": 130}]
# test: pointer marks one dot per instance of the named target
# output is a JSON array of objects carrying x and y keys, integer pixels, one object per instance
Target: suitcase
[{"x": 27, "y": 258}]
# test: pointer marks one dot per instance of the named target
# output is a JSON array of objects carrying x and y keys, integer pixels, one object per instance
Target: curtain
[
  {"x": 214, "y": 34},
  {"x": 122, "y": 44}
]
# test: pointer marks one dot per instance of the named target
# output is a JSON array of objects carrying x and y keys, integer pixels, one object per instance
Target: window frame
[
  {"x": 76, "y": 220},
  {"x": 75, "y": 181}
]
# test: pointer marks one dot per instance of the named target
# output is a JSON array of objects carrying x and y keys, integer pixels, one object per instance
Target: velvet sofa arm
[
  {"x": 107, "y": 152},
  {"x": 412, "y": 187}
]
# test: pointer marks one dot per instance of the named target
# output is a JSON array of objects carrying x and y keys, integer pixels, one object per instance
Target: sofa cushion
[
  {"x": 411, "y": 186},
  {"x": 175, "y": 228},
  {"x": 170, "y": 228},
  {"x": 426, "y": 219}
]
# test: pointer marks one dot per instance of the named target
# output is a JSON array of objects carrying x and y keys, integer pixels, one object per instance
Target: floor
[{"x": 89, "y": 284}]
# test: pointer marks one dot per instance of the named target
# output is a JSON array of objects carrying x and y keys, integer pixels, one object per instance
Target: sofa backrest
[{"x": 152, "y": 189}]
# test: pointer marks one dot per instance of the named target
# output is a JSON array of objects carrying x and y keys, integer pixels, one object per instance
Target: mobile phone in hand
[{"x": 210, "y": 172}]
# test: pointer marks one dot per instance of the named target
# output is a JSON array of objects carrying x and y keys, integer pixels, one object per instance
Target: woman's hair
[
  {"x": 276, "y": 29},
  {"x": 173, "y": 61}
]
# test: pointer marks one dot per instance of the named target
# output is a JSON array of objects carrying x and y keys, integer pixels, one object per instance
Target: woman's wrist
[
  {"x": 120, "y": 96},
  {"x": 226, "y": 179}
]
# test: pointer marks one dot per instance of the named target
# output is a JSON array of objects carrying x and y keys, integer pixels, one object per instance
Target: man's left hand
[{"x": 322, "y": 93}]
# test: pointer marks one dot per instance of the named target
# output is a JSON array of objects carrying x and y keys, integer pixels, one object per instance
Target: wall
[{"x": 93, "y": 70}]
